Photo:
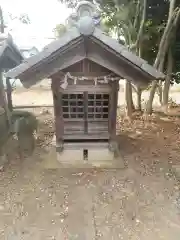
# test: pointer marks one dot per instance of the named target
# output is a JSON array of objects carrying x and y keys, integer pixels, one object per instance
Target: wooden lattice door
[
  {"x": 85, "y": 113},
  {"x": 98, "y": 113}
]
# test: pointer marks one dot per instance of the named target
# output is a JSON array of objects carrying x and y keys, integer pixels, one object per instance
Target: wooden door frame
[{"x": 111, "y": 89}]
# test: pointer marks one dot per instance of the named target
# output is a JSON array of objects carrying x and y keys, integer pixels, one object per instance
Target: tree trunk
[
  {"x": 160, "y": 92},
  {"x": 167, "y": 81},
  {"x": 163, "y": 46},
  {"x": 139, "y": 94},
  {"x": 9, "y": 94},
  {"x": 131, "y": 97},
  {"x": 129, "y": 100},
  {"x": 164, "y": 43},
  {"x": 148, "y": 108},
  {"x": 139, "y": 89}
]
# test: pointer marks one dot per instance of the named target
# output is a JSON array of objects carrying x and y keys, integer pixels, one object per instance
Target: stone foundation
[{"x": 87, "y": 155}]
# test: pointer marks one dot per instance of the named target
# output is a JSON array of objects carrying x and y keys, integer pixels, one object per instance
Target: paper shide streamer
[{"x": 100, "y": 79}]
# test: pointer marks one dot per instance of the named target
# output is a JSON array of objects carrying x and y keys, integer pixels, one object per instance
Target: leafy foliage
[
  {"x": 59, "y": 30},
  {"x": 122, "y": 17},
  {"x": 70, "y": 3}
]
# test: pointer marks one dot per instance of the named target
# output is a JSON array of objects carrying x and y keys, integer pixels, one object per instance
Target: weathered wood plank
[
  {"x": 102, "y": 136},
  {"x": 113, "y": 110},
  {"x": 86, "y": 125},
  {"x": 59, "y": 123},
  {"x": 112, "y": 62},
  {"x": 91, "y": 89}
]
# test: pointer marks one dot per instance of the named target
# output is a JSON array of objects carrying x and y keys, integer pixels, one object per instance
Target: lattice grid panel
[
  {"x": 98, "y": 106},
  {"x": 73, "y": 106}
]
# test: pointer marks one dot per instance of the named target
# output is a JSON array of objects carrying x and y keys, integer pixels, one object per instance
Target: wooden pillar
[
  {"x": 3, "y": 102},
  {"x": 9, "y": 94},
  {"x": 2, "y": 95},
  {"x": 7, "y": 119},
  {"x": 113, "y": 113},
  {"x": 58, "y": 113}
]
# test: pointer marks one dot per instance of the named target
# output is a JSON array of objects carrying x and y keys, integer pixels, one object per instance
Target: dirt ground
[{"x": 140, "y": 202}]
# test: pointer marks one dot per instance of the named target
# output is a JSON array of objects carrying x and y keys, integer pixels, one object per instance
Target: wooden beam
[{"x": 32, "y": 106}]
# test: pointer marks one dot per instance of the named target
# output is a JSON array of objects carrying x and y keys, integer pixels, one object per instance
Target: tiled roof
[
  {"x": 6, "y": 41},
  {"x": 3, "y": 39}
]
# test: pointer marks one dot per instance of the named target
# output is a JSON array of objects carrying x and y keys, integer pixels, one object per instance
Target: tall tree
[
  {"x": 173, "y": 18},
  {"x": 168, "y": 80}
]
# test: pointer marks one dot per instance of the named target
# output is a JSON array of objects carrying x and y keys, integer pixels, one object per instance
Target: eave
[{"x": 74, "y": 47}]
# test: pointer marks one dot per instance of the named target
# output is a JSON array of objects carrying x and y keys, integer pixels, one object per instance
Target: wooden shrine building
[
  {"x": 85, "y": 66},
  {"x": 10, "y": 57}
]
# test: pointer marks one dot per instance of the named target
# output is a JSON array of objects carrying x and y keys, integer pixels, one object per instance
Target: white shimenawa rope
[{"x": 100, "y": 79}]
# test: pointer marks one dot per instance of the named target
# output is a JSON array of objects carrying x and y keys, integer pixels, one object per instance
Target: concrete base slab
[
  {"x": 100, "y": 155},
  {"x": 96, "y": 158},
  {"x": 82, "y": 155},
  {"x": 70, "y": 155},
  {"x": 55, "y": 160}
]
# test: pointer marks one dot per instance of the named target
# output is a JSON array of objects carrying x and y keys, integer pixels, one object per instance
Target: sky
[{"x": 43, "y": 15}]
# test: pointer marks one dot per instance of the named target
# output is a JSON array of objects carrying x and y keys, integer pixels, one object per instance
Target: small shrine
[
  {"x": 85, "y": 66},
  {"x": 10, "y": 57}
]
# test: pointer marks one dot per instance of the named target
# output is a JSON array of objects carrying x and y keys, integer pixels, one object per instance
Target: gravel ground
[{"x": 140, "y": 202}]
